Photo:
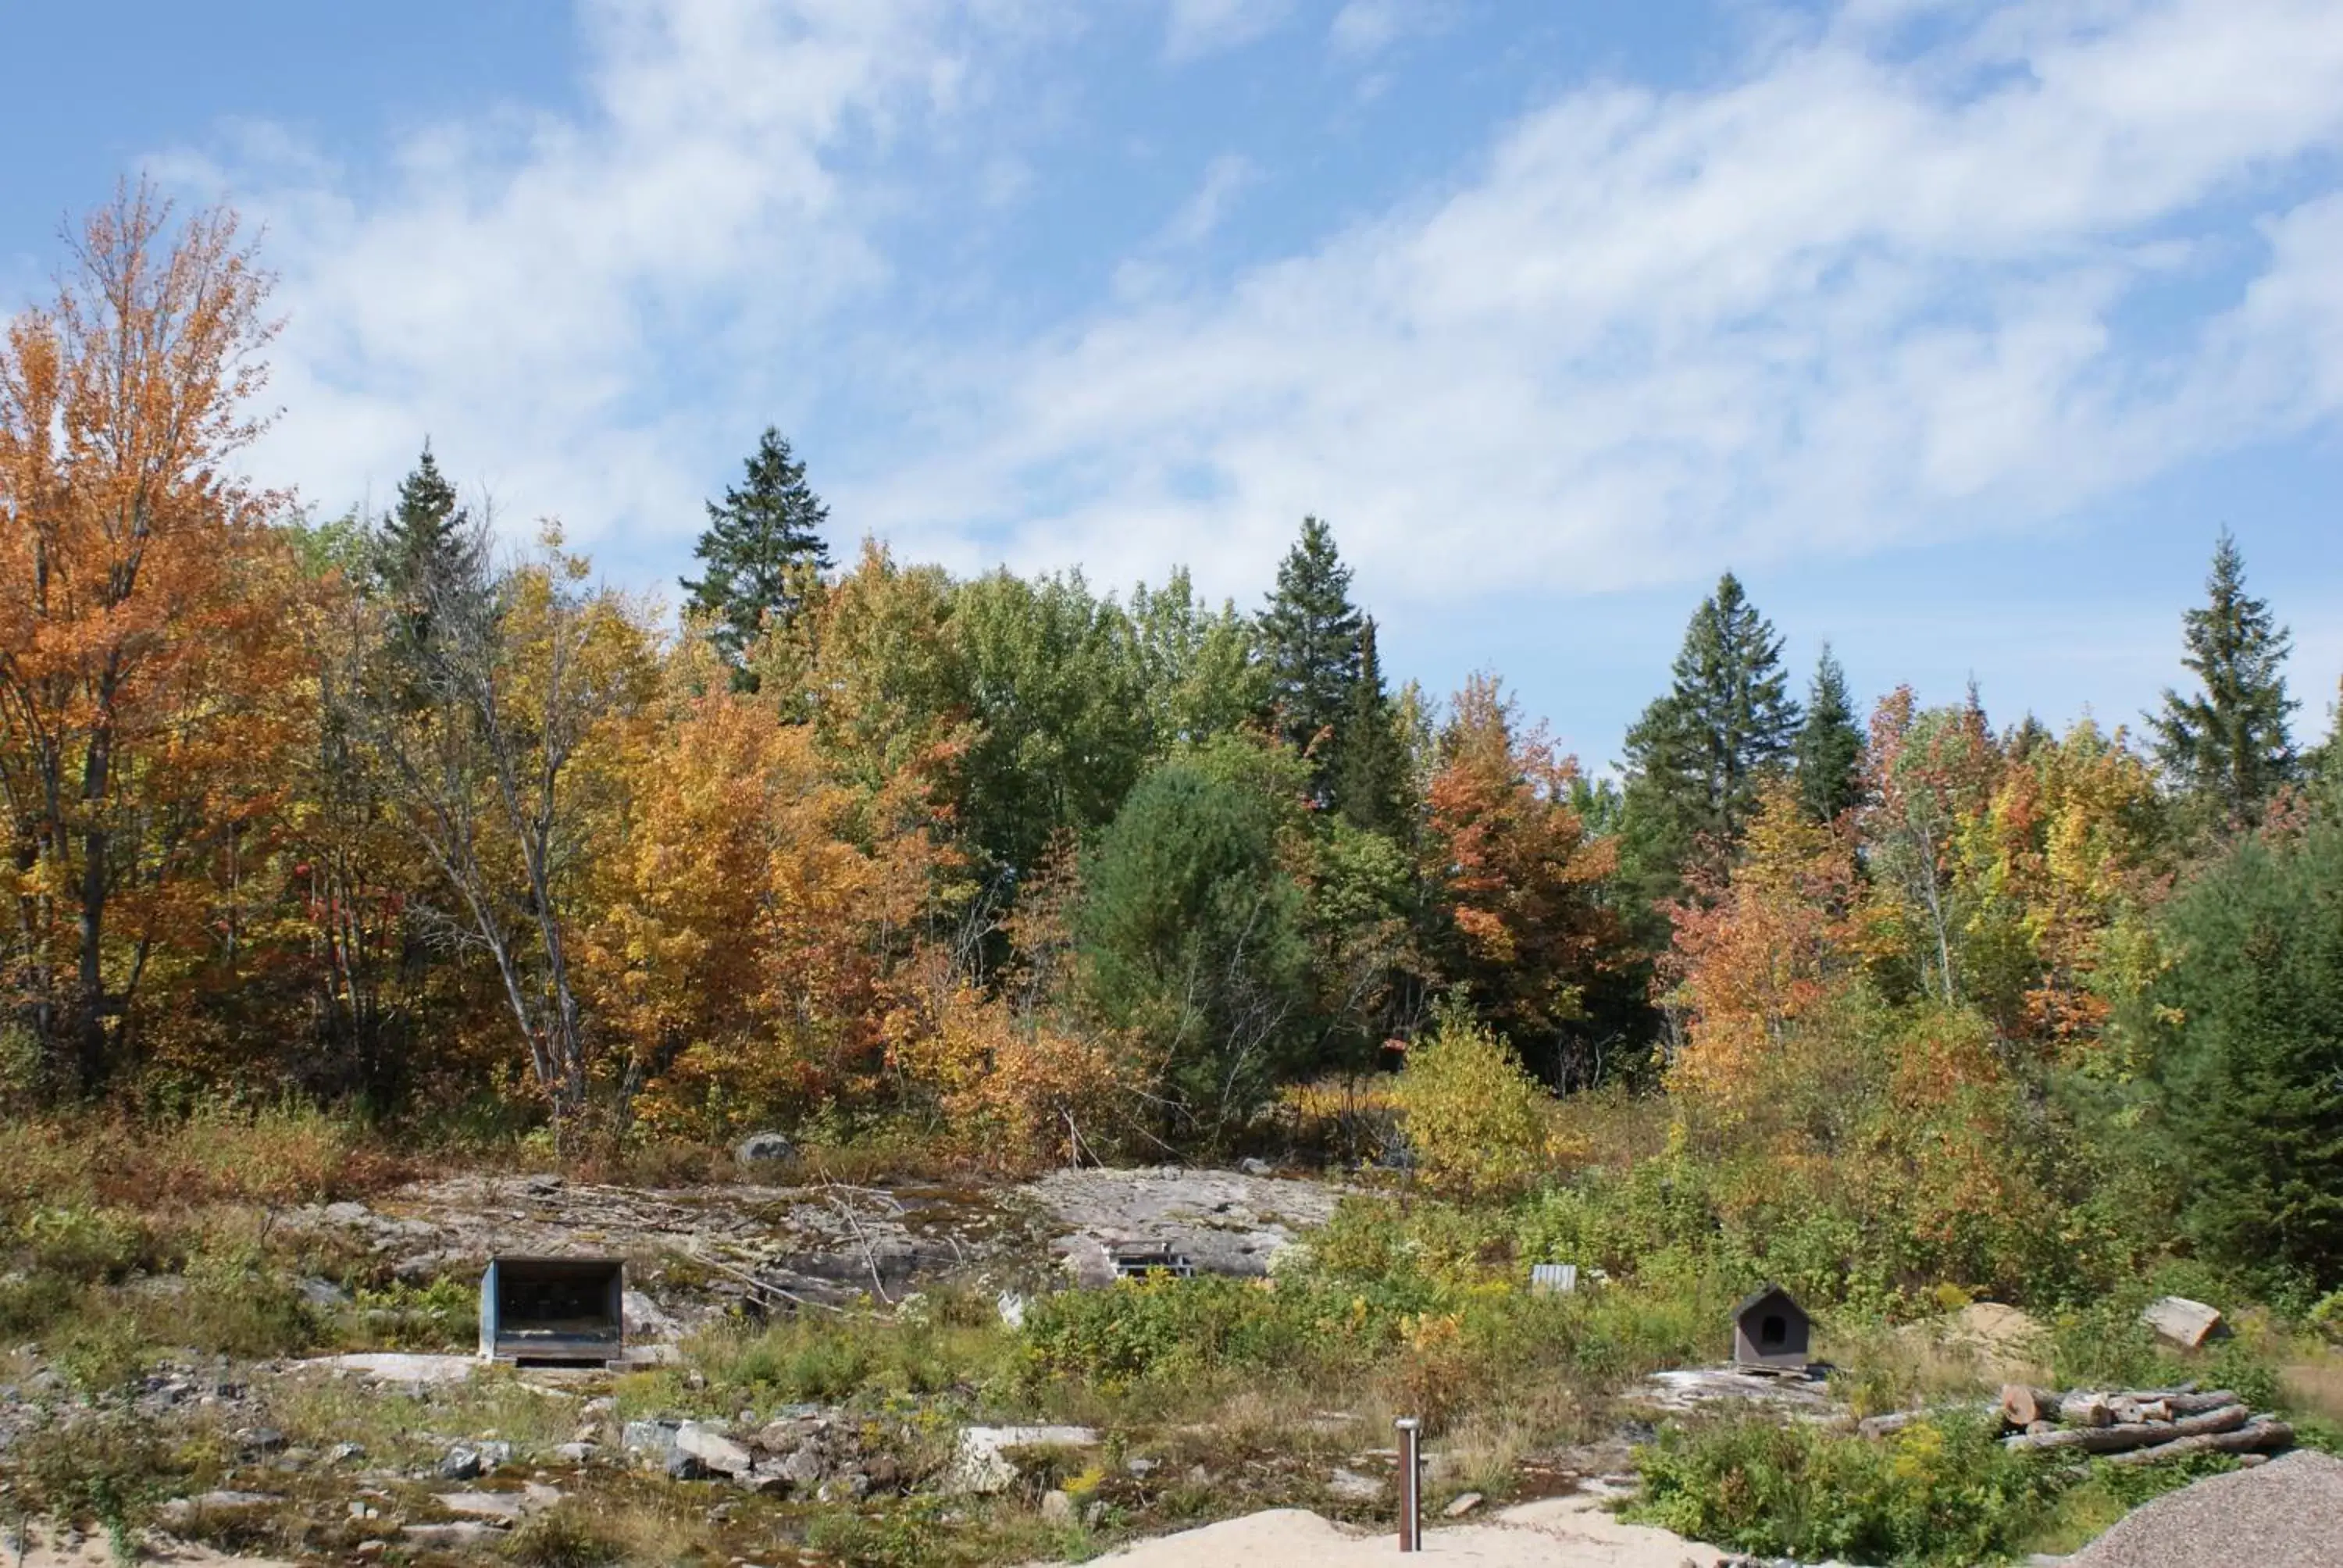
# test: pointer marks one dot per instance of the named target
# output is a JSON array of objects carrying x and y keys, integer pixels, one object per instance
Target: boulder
[
  {"x": 982, "y": 1464},
  {"x": 2182, "y": 1321},
  {"x": 764, "y": 1148},
  {"x": 708, "y": 1445}
]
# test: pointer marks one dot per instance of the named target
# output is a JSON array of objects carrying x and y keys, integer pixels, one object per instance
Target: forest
[
  {"x": 375, "y": 818},
  {"x": 372, "y": 813}
]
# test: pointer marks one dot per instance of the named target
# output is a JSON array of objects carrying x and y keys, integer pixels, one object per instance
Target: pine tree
[
  {"x": 758, "y": 546},
  {"x": 1829, "y": 751},
  {"x": 2229, "y": 745},
  {"x": 1698, "y": 758},
  {"x": 1309, "y": 640},
  {"x": 1371, "y": 776},
  {"x": 426, "y": 548}
]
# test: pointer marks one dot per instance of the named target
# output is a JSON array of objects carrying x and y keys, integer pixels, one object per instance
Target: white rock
[
  {"x": 980, "y": 1465},
  {"x": 713, "y": 1449},
  {"x": 2186, "y": 1323}
]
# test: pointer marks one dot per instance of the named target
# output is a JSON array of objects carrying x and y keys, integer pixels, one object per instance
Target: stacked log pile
[{"x": 2129, "y": 1427}]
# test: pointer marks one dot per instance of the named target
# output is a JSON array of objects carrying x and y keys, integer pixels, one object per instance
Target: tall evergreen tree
[
  {"x": 1310, "y": 641},
  {"x": 427, "y": 547},
  {"x": 1700, "y": 754},
  {"x": 1371, "y": 763},
  {"x": 758, "y": 545},
  {"x": 2228, "y": 744},
  {"x": 1829, "y": 751}
]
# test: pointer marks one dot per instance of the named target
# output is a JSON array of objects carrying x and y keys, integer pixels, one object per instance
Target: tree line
[{"x": 373, "y": 809}]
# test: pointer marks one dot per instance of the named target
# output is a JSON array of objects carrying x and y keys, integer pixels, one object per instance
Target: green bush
[
  {"x": 1476, "y": 1122},
  {"x": 1945, "y": 1494}
]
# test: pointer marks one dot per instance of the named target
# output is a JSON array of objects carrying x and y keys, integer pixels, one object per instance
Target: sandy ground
[
  {"x": 1559, "y": 1533},
  {"x": 93, "y": 1552}
]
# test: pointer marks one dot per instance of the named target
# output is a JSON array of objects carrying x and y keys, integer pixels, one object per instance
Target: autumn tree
[
  {"x": 1511, "y": 880},
  {"x": 128, "y": 598},
  {"x": 1932, "y": 773},
  {"x": 2227, "y": 744},
  {"x": 495, "y": 778},
  {"x": 761, "y": 550},
  {"x": 1758, "y": 947}
]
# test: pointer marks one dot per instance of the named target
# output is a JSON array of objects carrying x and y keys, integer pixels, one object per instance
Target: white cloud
[
  {"x": 1225, "y": 178},
  {"x": 1850, "y": 297},
  {"x": 521, "y": 286},
  {"x": 1363, "y": 28},
  {"x": 1195, "y": 28}
]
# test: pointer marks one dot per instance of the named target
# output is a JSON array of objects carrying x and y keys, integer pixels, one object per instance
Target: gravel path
[{"x": 2288, "y": 1514}]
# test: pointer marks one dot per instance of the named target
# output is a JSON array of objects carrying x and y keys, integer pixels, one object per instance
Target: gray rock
[
  {"x": 1464, "y": 1504},
  {"x": 181, "y": 1512},
  {"x": 654, "y": 1440},
  {"x": 1058, "y": 1508},
  {"x": 712, "y": 1449},
  {"x": 575, "y": 1453},
  {"x": 1351, "y": 1487},
  {"x": 461, "y": 1463},
  {"x": 760, "y": 1147},
  {"x": 505, "y": 1505},
  {"x": 461, "y": 1533},
  {"x": 803, "y": 1468},
  {"x": 346, "y": 1452},
  {"x": 324, "y": 1293},
  {"x": 260, "y": 1439},
  {"x": 1252, "y": 1166}
]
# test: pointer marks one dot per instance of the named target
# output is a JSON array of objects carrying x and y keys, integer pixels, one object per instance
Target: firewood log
[
  {"x": 2260, "y": 1433},
  {"x": 2132, "y": 1435}
]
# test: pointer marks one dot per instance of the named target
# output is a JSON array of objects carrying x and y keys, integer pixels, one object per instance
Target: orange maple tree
[{"x": 127, "y": 601}]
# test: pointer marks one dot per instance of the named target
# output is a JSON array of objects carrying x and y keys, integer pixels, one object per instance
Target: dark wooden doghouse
[
  {"x": 1770, "y": 1330},
  {"x": 553, "y": 1310}
]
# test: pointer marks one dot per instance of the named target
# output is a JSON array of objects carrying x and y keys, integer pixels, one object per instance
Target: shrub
[
  {"x": 1476, "y": 1121},
  {"x": 1934, "y": 1494}
]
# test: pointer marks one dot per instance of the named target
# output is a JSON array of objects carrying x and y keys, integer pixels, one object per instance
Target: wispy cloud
[
  {"x": 1364, "y": 29},
  {"x": 1195, "y": 28},
  {"x": 522, "y": 285},
  {"x": 1851, "y": 296},
  {"x": 1855, "y": 291}
]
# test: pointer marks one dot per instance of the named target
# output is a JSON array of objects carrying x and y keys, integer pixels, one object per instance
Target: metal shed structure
[{"x": 553, "y": 1310}]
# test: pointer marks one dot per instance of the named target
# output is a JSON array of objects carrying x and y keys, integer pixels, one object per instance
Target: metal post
[{"x": 1411, "y": 1483}]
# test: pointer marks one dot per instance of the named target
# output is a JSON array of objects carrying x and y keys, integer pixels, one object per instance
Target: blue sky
[{"x": 1956, "y": 328}]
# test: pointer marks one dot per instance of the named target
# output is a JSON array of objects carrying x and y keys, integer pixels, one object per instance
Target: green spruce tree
[
  {"x": 1700, "y": 754},
  {"x": 2228, "y": 745},
  {"x": 1829, "y": 751},
  {"x": 760, "y": 544},
  {"x": 1371, "y": 764},
  {"x": 1310, "y": 641},
  {"x": 425, "y": 549}
]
